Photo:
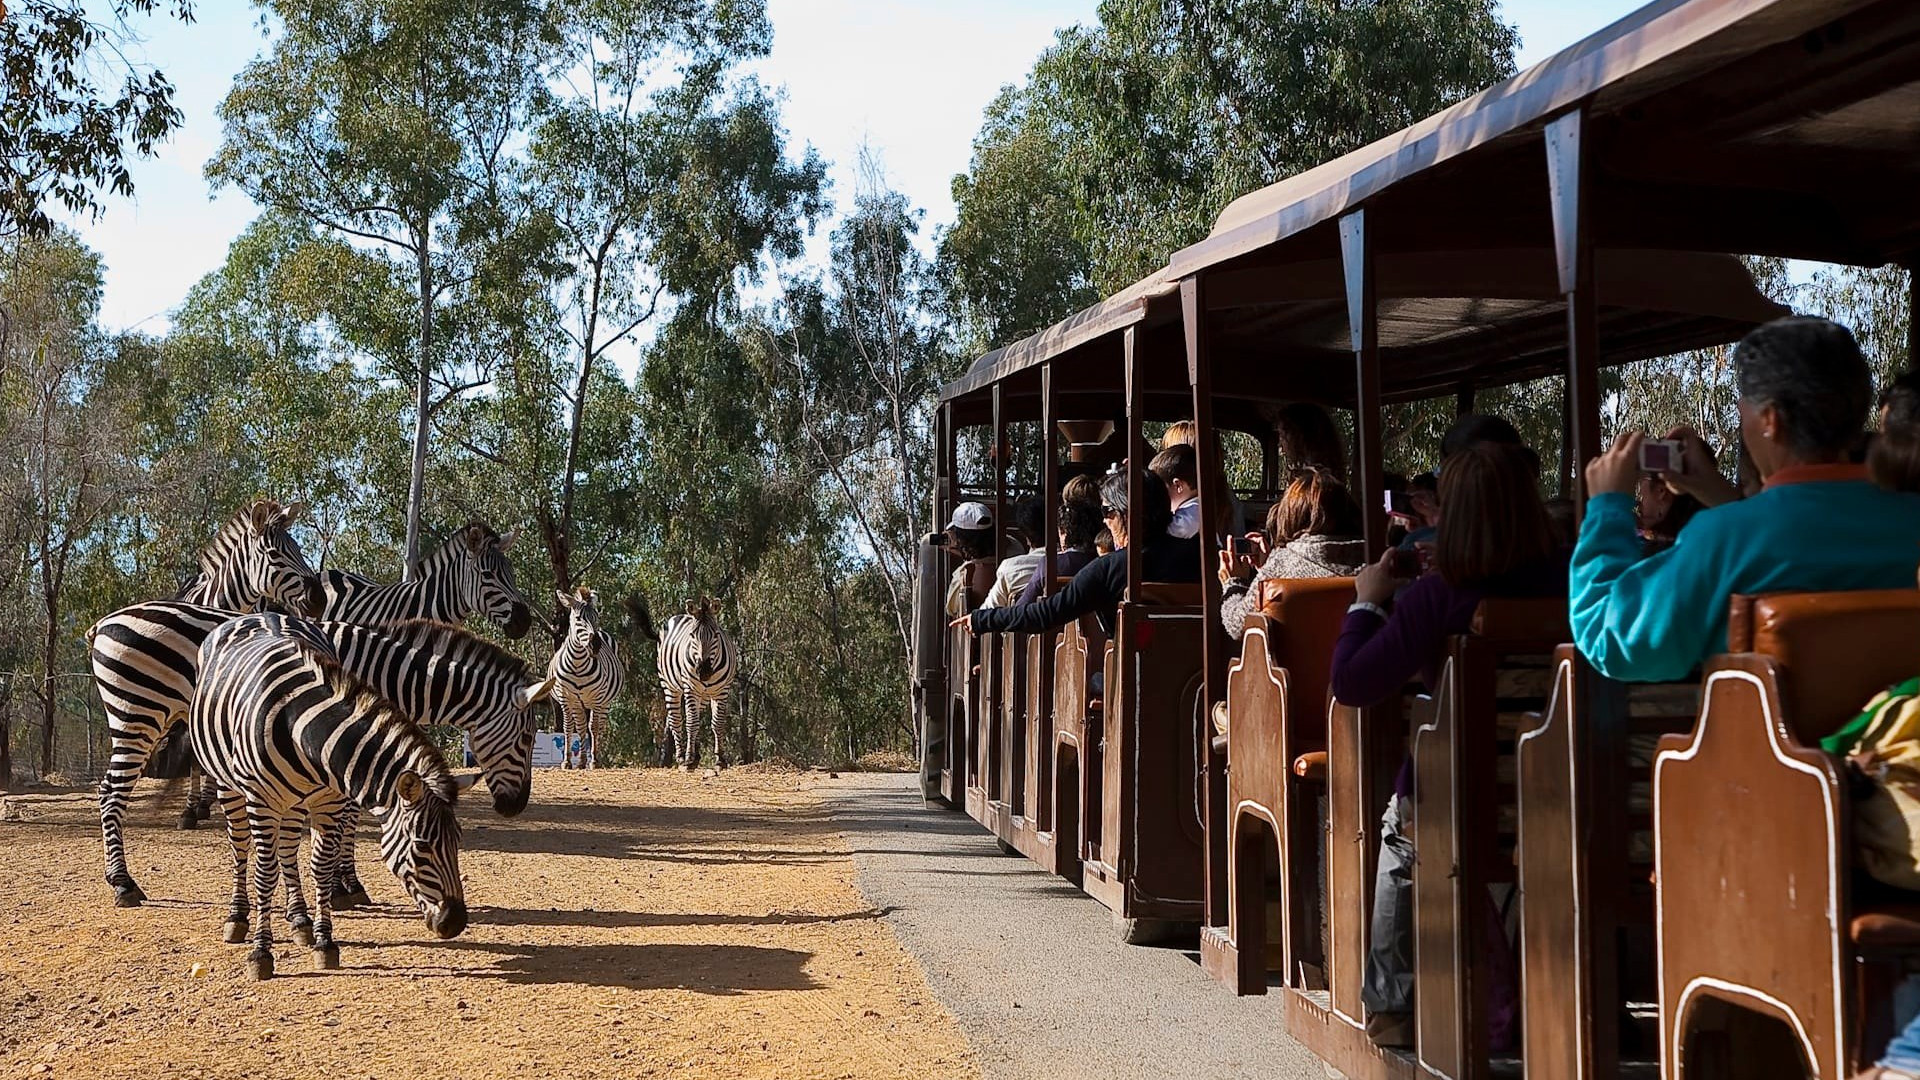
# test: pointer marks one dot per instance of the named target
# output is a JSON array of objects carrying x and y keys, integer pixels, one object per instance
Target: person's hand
[
  {"x": 1700, "y": 478},
  {"x": 1617, "y": 471},
  {"x": 1257, "y": 543},
  {"x": 964, "y": 622},
  {"x": 1376, "y": 582}
]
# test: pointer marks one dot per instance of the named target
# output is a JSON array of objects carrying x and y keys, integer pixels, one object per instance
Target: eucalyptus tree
[
  {"x": 1129, "y": 136},
  {"x": 393, "y": 124},
  {"x": 63, "y": 135}
]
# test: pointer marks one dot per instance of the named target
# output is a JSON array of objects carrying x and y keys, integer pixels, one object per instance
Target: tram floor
[
  {"x": 630, "y": 924},
  {"x": 1033, "y": 969}
]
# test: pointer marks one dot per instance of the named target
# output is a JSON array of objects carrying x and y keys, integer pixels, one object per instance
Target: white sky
[{"x": 908, "y": 77}]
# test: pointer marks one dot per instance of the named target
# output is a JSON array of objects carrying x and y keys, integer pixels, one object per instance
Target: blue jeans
[{"x": 1903, "y": 1052}]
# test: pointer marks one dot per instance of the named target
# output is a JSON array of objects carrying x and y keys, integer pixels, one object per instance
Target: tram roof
[
  {"x": 1279, "y": 331},
  {"x": 1776, "y": 127}
]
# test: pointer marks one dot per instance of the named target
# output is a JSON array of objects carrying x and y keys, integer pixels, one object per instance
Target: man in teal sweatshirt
[{"x": 1819, "y": 525}]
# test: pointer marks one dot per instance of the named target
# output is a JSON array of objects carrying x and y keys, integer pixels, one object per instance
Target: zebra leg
[
  {"x": 287, "y": 854},
  {"x": 690, "y": 731},
  {"x": 189, "y": 819},
  {"x": 347, "y": 890},
  {"x": 265, "y": 827},
  {"x": 673, "y": 725},
  {"x": 326, "y": 953},
  {"x": 234, "y": 808},
  {"x": 133, "y": 741},
  {"x": 718, "y": 708},
  {"x": 597, "y": 725}
]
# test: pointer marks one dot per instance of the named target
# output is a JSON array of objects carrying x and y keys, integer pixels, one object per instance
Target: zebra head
[
  {"x": 255, "y": 562},
  {"x": 503, "y": 746},
  {"x": 708, "y": 649},
  {"x": 420, "y": 843},
  {"x": 486, "y": 580},
  {"x": 583, "y": 621}
]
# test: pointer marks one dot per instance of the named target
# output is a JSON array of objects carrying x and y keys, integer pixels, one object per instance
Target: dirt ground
[{"x": 631, "y": 923}]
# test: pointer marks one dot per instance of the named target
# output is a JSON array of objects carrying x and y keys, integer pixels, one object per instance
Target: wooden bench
[
  {"x": 963, "y": 694},
  {"x": 1463, "y": 839},
  {"x": 1145, "y": 845},
  {"x": 1080, "y": 651},
  {"x": 1760, "y": 911},
  {"x": 1265, "y": 838}
]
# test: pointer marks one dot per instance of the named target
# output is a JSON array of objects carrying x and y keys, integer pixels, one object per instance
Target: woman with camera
[
  {"x": 1312, "y": 532},
  {"x": 1818, "y": 524}
]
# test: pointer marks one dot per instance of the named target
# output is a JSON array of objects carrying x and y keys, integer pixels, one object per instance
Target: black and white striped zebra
[
  {"x": 291, "y": 738},
  {"x": 145, "y": 660},
  {"x": 696, "y": 661},
  {"x": 587, "y": 676},
  {"x": 434, "y": 672},
  {"x": 437, "y": 673},
  {"x": 467, "y": 575}
]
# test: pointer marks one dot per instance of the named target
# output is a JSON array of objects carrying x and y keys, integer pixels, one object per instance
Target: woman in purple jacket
[{"x": 1495, "y": 539}]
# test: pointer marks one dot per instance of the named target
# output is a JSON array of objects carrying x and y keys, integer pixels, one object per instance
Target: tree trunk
[
  {"x": 422, "y": 401},
  {"x": 6, "y": 735},
  {"x": 50, "y": 667}
]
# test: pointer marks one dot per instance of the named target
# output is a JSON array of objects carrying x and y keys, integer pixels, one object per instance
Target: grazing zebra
[
  {"x": 145, "y": 658},
  {"x": 292, "y": 738},
  {"x": 435, "y": 673},
  {"x": 696, "y": 662},
  {"x": 468, "y": 574},
  {"x": 587, "y": 676}
]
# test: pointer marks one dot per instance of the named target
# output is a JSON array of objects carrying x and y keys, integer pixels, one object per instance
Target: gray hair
[{"x": 1811, "y": 370}]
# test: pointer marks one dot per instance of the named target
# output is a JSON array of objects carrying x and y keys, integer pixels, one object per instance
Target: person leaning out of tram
[
  {"x": 1079, "y": 525},
  {"x": 1100, "y": 586},
  {"x": 1312, "y": 532},
  {"x": 1494, "y": 540},
  {"x": 969, "y": 537},
  {"x": 1805, "y": 391}
]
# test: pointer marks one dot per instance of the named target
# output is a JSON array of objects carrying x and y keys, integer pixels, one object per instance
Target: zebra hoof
[
  {"x": 203, "y": 812},
  {"x": 260, "y": 965},
  {"x": 188, "y": 820},
  {"x": 127, "y": 894},
  {"x": 348, "y": 899},
  {"x": 327, "y": 958},
  {"x": 235, "y": 932},
  {"x": 302, "y": 933}
]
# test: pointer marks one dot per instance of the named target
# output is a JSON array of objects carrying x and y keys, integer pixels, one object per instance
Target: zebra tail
[{"x": 642, "y": 618}]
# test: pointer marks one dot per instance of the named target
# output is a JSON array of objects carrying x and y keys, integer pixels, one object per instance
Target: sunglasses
[{"x": 1111, "y": 511}]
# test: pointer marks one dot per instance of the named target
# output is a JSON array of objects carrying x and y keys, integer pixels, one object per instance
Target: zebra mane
[
  {"x": 441, "y": 638},
  {"x": 454, "y": 544},
  {"x": 362, "y": 697}
]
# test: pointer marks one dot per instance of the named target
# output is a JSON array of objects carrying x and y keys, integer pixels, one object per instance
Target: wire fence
[{"x": 76, "y": 754}]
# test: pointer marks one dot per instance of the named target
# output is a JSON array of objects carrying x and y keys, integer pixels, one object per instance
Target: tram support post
[
  {"x": 1040, "y": 719},
  {"x": 1215, "y": 645},
  {"x": 1136, "y": 452},
  {"x": 1568, "y": 166},
  {"x": 1356, "y": 256}
]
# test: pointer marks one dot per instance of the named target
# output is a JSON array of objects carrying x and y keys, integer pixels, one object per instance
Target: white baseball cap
[{"x": 971, "y": 515}]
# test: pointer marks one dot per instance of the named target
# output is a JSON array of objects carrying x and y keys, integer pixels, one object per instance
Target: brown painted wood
[{"x": 1567, "y": 170}]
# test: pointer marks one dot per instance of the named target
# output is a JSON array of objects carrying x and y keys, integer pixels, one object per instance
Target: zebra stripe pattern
[
  {"x": 468, "y": 574},
  {"x": 435, "y": 673},
  {"x": 697, "y": 661},
  {"x": 145, "y": 659},
  {"x": 587, "y": 675},
  {"x": 291, "y": 738}
]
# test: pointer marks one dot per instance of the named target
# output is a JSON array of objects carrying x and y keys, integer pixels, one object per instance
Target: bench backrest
[
  {"x": 1833, "y": 650},
  {"x": 1304, "y": 616}
]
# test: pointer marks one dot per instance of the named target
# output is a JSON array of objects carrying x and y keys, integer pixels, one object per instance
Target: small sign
[{"x": 549, "y": 749}]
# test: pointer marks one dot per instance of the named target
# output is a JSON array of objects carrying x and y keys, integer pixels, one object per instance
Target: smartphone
[
  {"x": 1238, "y": 545},
  {"x": 1661, "y": 456},
  {"x": 1405, "y": 563},
  {"x": 1397, "y": 502}
]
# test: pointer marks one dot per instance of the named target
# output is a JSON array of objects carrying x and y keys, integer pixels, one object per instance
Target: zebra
[
  {"x": 587, "y": 676},
  {"x": 696, "y": 662},
  {"x": 434, "y": 672},
  {"x": 467, "y": 574},
  {"x": 291, "y": 738},
  {"x": 145, "y": 660}
]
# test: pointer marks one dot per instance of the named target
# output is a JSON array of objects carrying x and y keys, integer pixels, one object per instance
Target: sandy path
[{"x": 631, "y": 923}]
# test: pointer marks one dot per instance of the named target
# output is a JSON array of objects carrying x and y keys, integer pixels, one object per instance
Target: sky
[{"x": 906, "y": 78}]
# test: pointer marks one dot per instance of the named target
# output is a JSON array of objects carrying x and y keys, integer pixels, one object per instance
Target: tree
[
  {"x": 1130, "y": 136},
  {"x": 391, "y": 124},
  {"x": 62, "y": 139},
  {"x": 664, "y": 180}
]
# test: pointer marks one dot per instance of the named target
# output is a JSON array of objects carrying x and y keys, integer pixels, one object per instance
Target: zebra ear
[
  {"x": 565, "y": 598},
  {"x": 291, "y": 512},
  {"x": 506, "y": 541},
  {"x": 411, "y": 788},
  {"x": 529, "y": 694},
  {"x": 693, "y": 607}
]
